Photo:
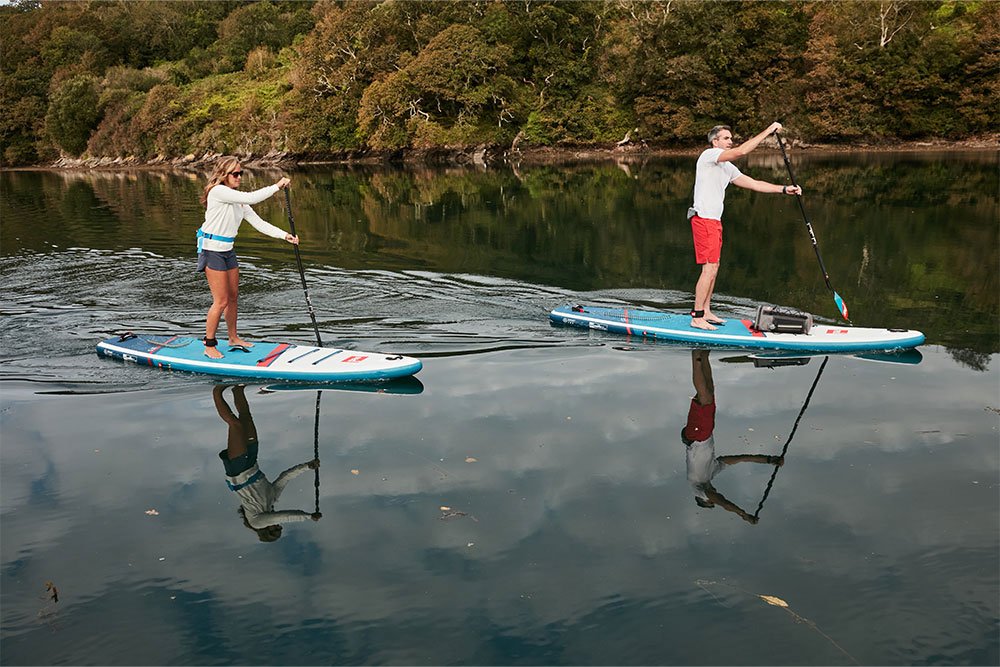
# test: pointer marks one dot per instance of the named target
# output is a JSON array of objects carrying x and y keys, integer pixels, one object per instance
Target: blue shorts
[
  {"x": 217, "y": 261},
  {"x": 241, "y": 463}
]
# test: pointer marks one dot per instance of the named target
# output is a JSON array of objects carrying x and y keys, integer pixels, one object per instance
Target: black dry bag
[{"x": 782, "y": 319}]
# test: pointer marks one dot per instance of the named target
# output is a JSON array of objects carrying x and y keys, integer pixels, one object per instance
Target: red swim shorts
[
  {"x": 707, "y": 240},
  {"x": 701, "y": 421}
]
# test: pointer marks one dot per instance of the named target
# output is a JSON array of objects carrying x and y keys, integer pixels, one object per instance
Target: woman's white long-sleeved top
[
  {"x": 258, "y": 495},
  {"x": 227, "y": 208}
]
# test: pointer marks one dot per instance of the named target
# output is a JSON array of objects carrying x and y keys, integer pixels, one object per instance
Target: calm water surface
[{"x": 525, "y": 500}]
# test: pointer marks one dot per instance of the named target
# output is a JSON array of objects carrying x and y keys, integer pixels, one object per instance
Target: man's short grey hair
[{"x": 714, "y": 132}]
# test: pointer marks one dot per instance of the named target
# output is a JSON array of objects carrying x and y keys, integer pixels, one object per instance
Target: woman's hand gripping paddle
[
  {"x": 302, "y": 273},
  {"x": 841, "y": 306}
]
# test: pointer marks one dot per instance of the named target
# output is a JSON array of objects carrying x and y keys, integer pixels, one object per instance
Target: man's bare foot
[
  {"x": 213, "y": 352},
  {"x": 700, "y": 323},
  {"x": 237, "y": 341}
]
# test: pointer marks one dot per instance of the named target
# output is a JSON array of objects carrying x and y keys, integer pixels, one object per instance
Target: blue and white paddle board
[
  {"x": 735, "y": 332},
  {"x": 268, "y": 361}
]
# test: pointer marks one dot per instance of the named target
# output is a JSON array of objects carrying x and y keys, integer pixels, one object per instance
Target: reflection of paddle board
[
  {"x": 403, "y": 385},
  {"x": 269, "y": 361},
  {"x": 777, "y": 358},
  {"x": 735, "y": 332},
  {"x": 899, "y": 357}
]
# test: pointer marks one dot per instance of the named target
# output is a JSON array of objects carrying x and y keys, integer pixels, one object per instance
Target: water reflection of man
[
  {"x": 702, "y": 463},
  {"x": 257, "y": 494}
]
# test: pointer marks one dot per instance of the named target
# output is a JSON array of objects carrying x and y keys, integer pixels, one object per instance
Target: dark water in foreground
[{"x": 571, "y": 534}]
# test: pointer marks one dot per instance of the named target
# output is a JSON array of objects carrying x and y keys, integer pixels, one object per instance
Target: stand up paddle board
[
  {"x": 735, "y": 332},
  {"x": 268, "y": 361}
]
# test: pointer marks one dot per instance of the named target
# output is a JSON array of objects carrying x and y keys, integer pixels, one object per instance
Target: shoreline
[{"x": 493, "y": 156}]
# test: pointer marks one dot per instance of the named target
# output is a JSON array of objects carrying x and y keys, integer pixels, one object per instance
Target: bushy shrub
[
  {"x": 456, "y": 81},
  {"x": 151, "y": 126},
  {"x": 73, "y": 113}
]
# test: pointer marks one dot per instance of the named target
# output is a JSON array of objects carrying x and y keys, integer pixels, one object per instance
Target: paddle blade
[{"x": 841, "y": 305}]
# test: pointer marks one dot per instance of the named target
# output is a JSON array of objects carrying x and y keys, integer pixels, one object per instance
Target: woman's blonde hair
[{"x": 223, "y": 167}]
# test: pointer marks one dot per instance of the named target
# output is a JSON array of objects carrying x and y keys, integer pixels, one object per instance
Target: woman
[{"x": 225, "y": 208}]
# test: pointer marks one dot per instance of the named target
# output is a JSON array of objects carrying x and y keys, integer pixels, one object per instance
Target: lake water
[{"x": 526, "y": 500}]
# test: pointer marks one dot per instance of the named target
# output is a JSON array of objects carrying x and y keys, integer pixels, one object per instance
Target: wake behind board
[
  {"x": 735, "y": 332},
  {"x": 267, "y": 361}
]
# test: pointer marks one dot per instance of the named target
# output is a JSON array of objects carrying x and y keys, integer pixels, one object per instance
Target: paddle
[
  {"x": 841, "y": 306},
  {"x": 302, "y": 273}
]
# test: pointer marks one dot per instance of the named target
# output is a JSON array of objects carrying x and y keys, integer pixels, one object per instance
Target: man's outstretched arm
[
  {"x": 747, "y": 147},
  {"x": 745, "y": 181}
]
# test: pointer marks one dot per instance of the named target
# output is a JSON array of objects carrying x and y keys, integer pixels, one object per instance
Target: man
[{"x": 714, "y": 173}]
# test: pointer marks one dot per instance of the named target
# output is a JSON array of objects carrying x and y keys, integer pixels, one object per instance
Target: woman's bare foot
[
  {"x": 712, "y": 318},
  {"x": 700, "y": 323},
  {"x": 236, "y": 341},
  {"x": 213, "y": 352}
]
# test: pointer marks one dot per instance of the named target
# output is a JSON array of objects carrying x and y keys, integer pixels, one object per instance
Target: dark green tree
[
  {"x": 453, "y": 92},
  {"x": 73, "y": 113},
  {"x": 685, "y": 66}
]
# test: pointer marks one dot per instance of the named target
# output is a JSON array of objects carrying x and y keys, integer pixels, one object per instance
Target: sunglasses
[{"x": 237, "y": 174}]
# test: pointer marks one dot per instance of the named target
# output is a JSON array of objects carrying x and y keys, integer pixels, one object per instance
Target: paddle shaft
[
  {"x": 302, "y": 273},
  {"x": 802, "y": 208},
  {"x": 812, "y": 235}
]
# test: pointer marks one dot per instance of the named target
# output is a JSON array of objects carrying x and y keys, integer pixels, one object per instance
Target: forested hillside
[{"x": 147, "y": 78}]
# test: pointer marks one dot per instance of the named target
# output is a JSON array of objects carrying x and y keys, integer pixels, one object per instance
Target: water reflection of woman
[
  {"x": 697, "y": 435},
  {"x": 257, "y": 494}
]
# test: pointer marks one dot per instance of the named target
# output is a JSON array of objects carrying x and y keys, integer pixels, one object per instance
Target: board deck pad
[
  {"x": 735, "y": 332},
  {"x": 269, "y": 361}
]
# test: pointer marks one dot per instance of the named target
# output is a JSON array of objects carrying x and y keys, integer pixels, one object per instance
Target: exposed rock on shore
[
  {"x": 484, "y": 155},
  {"x": 189, "y": 161}
]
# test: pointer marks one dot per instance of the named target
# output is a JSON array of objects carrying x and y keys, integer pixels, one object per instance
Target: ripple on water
[{"x": 73, "y": 298}]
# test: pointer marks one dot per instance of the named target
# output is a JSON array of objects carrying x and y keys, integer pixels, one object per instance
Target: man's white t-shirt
[
  {"x": 702, "y": 465},
  {"x": 710, "y": 183}
]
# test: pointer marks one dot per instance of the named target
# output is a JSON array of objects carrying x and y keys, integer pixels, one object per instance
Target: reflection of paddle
[
  {"x": 841, "y": 306},
  {"x": 784, "y": 449},
  {"x": 319, "y": 393},
  {"x": 298, "y": 260}
]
